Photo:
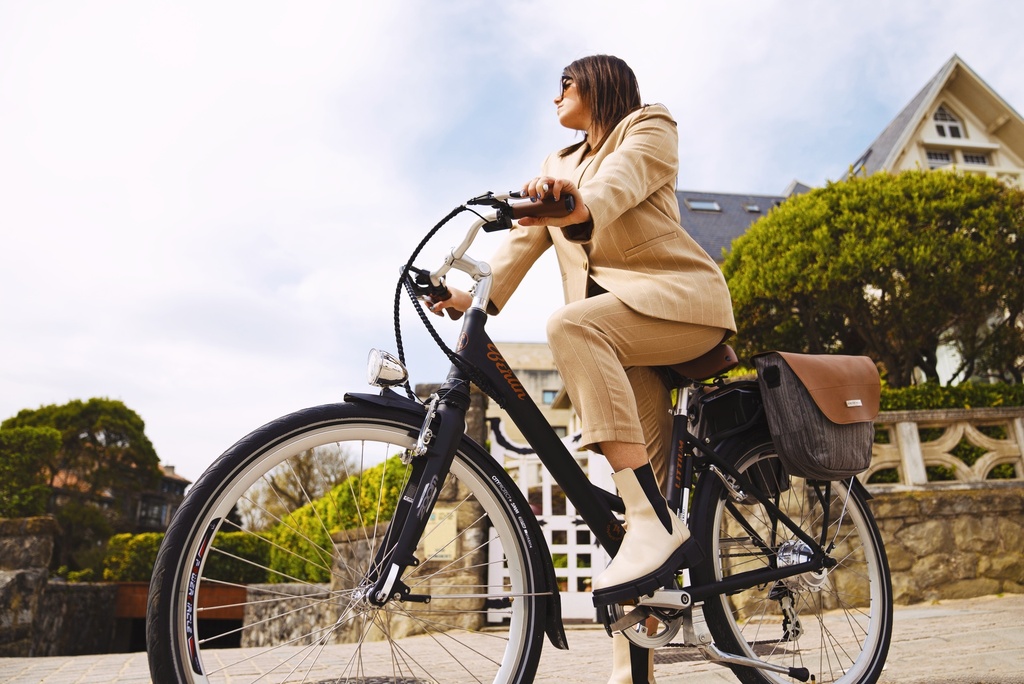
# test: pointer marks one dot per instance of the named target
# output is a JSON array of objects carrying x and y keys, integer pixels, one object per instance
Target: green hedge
[
  {"x": 965, "y": 395},
  {"x": 130, "y": 558},
  {"x": 932, "y": 396},
  {"x": 301, "y": 548}
]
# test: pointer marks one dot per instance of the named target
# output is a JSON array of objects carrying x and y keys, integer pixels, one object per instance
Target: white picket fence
[{"x": 577, "y": 556}]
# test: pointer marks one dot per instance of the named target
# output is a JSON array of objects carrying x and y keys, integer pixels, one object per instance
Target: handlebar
[
  {"x": 546, "y": 207},
  {"x": 432, "y": 284}
]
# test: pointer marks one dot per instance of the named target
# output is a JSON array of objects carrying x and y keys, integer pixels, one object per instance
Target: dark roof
[{"x": 715, "y": 230}]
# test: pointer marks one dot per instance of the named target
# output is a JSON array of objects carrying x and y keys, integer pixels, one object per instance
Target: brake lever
[{"x": 423, "y": 287}]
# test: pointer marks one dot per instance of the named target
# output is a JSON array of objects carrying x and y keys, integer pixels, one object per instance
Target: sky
[{"x": 204, "y": 204}]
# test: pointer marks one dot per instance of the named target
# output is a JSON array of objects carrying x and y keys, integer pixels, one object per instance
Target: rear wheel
[
  {"x": 261, "y": 576},
  {"x": 837, "y": 622}
]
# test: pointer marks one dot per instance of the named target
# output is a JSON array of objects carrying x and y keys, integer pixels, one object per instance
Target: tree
[
  {"x": 363, "y": 500},
  {"x": 891, "y": 266},
  {"x": 24, "y": 490},
  {"x": 104, "y": 462},
  {"x": 307, "y": 477}
]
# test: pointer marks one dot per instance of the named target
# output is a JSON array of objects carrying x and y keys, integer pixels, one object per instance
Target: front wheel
[
  {"x": 262, "y": 573},
  {"x": 836, "y": 622}
]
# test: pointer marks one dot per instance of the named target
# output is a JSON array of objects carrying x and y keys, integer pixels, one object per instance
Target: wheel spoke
[{"x": 839, "y": 622}]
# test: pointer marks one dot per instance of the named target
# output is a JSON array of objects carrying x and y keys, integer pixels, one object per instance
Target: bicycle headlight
[{"x": 384, "y": 370}]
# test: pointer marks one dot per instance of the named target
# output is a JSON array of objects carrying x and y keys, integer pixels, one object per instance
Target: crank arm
[{"x": 673, "y": 599}]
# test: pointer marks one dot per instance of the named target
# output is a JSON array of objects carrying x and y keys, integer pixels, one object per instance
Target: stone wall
[
  {"x": 26, "y": 545},
  {"x": 75, "y": 619},
  {"x": 43, "y": 618},
  {"x": 953, "y": 542},
  {"x": 285, "y": 613},
  {"x": 452, "y": 563}
]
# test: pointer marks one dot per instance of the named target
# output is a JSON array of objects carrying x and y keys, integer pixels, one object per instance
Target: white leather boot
[
  {"x": 653, "y": 534},
  {"x": 622, "y": 667}
]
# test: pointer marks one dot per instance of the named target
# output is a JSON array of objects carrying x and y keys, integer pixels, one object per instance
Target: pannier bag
[{"x": 820, "y": 410}]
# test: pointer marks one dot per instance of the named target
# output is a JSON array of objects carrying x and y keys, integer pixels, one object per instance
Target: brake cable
[{"x": 404, "y": 282}]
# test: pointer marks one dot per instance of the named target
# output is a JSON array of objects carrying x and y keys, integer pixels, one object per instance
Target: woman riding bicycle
[{"x": 639, "y": 291}]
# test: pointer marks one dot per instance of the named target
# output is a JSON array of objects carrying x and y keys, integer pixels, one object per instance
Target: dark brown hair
[{"x": 608, "y": 87}]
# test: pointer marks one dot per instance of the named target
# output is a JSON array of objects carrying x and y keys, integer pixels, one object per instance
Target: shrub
[
  {"x": 24, "y": 491},
  {"x": 362, "y": 500},
  {"x": 130, "y": 558},
  {"x": 232, "y": 568},
  {"x": 965, "y": 395}
]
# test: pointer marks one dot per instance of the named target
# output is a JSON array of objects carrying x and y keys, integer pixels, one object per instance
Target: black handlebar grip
[
  {"x": 454, "y": 314},
  {"x": 544, "y": 208}
]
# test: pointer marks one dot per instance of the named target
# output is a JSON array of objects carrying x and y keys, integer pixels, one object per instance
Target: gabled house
[{"x": 955, "y": 121}]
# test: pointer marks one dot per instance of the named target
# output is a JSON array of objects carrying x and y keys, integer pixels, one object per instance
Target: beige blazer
[{"x": 637, "y": 249}]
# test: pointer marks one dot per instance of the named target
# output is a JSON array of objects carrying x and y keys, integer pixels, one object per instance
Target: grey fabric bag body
[{"x": 820, "y": 410}]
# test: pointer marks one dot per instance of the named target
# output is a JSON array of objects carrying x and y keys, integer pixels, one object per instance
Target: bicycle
[{"x": 782, "y": 579}]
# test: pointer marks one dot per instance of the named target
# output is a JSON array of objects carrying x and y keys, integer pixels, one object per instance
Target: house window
[
  {"x": 947, "y": 125},
  {"x": 548, "y": 397},
  {"x": 752, "y": 208},
  {"x": 976, "y": 159},
  {"x": 703, "y": 205},
  {"x": 939, "y": 158}
]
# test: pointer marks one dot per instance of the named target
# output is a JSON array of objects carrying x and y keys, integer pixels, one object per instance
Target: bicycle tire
[
  {"x": 476, "y": 505},
  {"x": 841, "y": 624}
]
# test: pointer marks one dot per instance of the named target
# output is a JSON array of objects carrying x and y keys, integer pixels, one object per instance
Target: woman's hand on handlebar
[
  {"x": 459, "y": 302},
  {"x": 546, "y": 186}
]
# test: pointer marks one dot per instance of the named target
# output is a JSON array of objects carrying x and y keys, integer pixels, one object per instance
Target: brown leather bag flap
[{"x": 847, "y": 389}]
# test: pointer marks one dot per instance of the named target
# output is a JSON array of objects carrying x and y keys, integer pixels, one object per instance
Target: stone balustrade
[
  {"x": 948, "y": 489},
  {"x": 959, "y": 445}
]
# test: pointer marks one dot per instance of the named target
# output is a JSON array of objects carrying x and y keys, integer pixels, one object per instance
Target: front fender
[{"x": 388, "y": 399}]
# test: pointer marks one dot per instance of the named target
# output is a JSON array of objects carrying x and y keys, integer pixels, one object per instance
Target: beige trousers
[{"x": 606, "y": 354}]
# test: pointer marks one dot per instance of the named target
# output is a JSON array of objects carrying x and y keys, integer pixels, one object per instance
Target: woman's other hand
[
  {"x": 460, "y": 301},
  {"x": 556, "y": 188}
]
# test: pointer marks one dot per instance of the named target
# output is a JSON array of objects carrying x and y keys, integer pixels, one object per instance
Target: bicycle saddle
[{"x": 715, "y": 362}]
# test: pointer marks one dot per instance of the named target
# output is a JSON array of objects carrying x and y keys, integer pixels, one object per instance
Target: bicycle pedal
[{"x": 649, "y": 583}]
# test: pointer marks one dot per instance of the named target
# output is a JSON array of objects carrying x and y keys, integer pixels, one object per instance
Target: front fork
[{"x": 431, "y": 458}]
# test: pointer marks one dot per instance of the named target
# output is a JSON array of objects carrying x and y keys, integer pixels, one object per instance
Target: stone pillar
[
  {"x": 908, "y": 441},
  {"x": 26, "y": 547},
  {"x": 1017, "y": 424}
]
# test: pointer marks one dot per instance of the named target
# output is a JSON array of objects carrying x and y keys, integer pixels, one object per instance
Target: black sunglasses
[{"x": 565, "y": 83}]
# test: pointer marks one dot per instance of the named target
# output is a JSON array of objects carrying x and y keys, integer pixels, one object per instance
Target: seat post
[
  {"x": 680, "y": 462},
  {"x": 682, "y": 405}
]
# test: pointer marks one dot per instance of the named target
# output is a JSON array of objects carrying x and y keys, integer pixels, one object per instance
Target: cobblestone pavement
[{"x": 971, "y": 641}]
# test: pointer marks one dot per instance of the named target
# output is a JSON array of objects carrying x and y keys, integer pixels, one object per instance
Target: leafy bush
[
  {"x": 894, "y": 266},
  {"x": 360, "y": 501},
  {"x": 230, "y": 568},
  {"x": 965, "y": 395},
  {"x": 24, "y": 491},
  {"x": 86, "y": 575},
  {"x": 130, "y": 558}
]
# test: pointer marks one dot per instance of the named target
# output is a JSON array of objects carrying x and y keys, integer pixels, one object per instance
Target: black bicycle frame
[{"x": 445, "y": 421}]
